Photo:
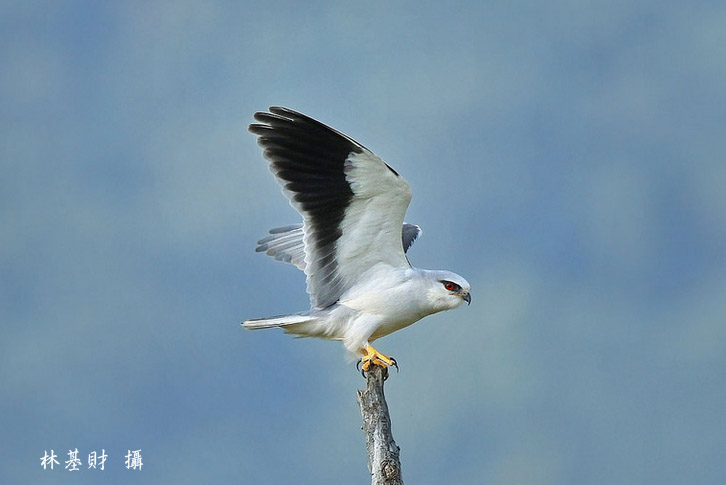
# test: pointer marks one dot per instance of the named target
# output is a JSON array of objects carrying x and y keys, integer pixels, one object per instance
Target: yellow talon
[{"x": 372, "y": 357}]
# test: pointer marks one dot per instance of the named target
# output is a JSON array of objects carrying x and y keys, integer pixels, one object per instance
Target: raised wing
[
  {"x": 351, "y": 202},
  {"x": 285, "y": 244}
]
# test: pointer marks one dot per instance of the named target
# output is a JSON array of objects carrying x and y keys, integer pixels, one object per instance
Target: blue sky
[{"x": 567, "y": 158}]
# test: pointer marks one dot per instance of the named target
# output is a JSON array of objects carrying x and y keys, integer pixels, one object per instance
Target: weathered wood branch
[{"x": 383, "y": 453}]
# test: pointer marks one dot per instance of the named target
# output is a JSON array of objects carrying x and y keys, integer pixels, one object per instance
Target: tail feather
[{"x": 276, "y": 321}]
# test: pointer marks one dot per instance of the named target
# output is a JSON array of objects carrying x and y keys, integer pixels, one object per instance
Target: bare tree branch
[{"x": 383, "y": 453}]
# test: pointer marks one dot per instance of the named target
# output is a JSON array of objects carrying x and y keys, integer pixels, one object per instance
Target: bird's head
[{"x": 447, "y": 290}]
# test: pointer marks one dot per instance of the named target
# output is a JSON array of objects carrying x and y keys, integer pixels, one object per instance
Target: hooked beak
[{"x": 467, "y": 298}]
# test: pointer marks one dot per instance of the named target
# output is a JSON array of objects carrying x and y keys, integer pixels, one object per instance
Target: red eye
[{"x": 450, "y": 286}]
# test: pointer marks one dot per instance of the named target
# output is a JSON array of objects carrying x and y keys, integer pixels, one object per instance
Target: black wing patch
[{"x": 308, "y": 157}]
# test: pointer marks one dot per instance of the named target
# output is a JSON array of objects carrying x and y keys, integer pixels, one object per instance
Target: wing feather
[
  {"x": 286, "y": 243},
  {"x": 351, "y": 202}
]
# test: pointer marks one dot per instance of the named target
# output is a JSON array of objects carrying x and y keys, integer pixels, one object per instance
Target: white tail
[{"x": 276, "y": 321}]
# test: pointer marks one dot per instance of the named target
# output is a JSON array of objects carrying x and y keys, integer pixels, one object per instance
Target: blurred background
[{"x": 566, "y": 157}]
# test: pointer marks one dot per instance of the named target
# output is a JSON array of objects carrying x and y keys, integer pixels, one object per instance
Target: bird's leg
[{"x": 372, "y": 357}]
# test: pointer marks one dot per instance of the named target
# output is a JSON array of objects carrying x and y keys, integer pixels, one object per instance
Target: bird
[{"x": 352, "y": 243}]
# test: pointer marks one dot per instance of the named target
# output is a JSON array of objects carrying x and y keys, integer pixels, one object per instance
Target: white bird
[{"x": 352, "y": 241}]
